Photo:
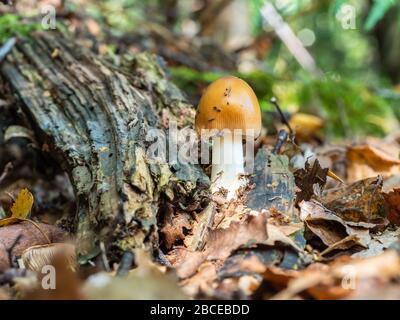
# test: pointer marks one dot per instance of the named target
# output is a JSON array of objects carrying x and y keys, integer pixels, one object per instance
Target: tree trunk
[{"x": 94, "y": 116}]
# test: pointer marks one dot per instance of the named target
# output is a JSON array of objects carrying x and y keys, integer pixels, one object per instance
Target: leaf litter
[
  {"x": 330, "y": 245},
  {"x": 291, "y": 234},
  {"x": 333, "y": 244}
]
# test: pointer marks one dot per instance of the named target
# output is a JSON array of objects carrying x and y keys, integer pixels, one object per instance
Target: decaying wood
[
  {"x": 274, "y": 184},
  {"x": 95, "y": 116}
]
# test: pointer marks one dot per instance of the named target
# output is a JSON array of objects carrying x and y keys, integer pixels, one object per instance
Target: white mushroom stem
[{"x": 227, "y": 163}]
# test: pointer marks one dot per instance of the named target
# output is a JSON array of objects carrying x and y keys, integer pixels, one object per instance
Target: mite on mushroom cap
[{"x": 230, "y": 108}]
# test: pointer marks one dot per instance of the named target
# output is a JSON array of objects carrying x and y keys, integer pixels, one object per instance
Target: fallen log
[{"x": 94, "y": 117}]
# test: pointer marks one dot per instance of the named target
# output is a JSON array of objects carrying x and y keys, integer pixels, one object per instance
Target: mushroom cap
[{"x": 229, "y": 103}]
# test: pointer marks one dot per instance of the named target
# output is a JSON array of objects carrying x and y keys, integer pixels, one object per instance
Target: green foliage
[
  {"x": 255, "y": 7},
  {"x": 120, "y": 15},
  {"x": 192, "y": 82},
  {"x": 336, "y": 5},
  {"x": 11, "y": 25},
  {"x": 377, "y": 12},
  {"x": 126, "y": 15},
  {"x": 349, "y": 107}
]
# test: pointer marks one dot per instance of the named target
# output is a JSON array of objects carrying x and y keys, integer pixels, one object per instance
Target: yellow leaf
[
  {"x": 7, "y": 221},
  {"x": 22, "y": 205},
  {"x": 305, "y": 125},
  {"x": 20, "y": 211}
]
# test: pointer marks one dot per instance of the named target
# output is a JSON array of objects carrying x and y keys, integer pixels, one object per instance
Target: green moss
[{"x": 11, "y": 25}]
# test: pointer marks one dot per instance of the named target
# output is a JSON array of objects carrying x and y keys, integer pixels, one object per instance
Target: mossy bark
[{"x": 95, "y": 117}]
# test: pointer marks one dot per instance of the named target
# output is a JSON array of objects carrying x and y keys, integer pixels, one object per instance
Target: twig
[
  {"x": 272, "y": 17},
  {"x": 283, "y": 118},
  {"x": 8, "y": 167},
  {"x": 10, "y": 195},
  {"x": 126, "y": 263},
  {"x": 201, "y": 232},
  {"x": 7, "y": 47},
  {"x": 281, "y": 139},
  {"x": 162, "y": 259},
  {"x": 104, "y": 257}
]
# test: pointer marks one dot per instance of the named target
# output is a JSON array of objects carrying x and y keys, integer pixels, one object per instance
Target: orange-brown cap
[{"x": 229, "y": 103}]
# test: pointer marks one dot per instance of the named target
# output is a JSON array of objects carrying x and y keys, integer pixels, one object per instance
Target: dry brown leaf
[
  {"x": 4, "y": 295},
  {"x": 379, "y": 243},
  {"x": 337, "y": 280},
  {"x": 279, "y": 278},
  {"x": 234, "y": 212},
  {"x": 288, "y": 229},
  {"x": 361, "y": 201},
  {"x": 344, "y": 243},
  {"x": 393, "y": 203},
  {"x": 366, "y": 161},
  {"x": 220, "y": 244},
  {"x": 174, "y": 229},
  {"x": 306, "y": 179},
  {"x": 349, "y": 274},
  {"x": 185, "y": 262},
  {"x": 374, "y": 289},
  {"x": 332, "y": 229},
  {"x": 201, "y": 282},
  {"x": 249, "y": 284},
  {"x": 276, "y": 235},
  {"x": 4, "y": 259}
]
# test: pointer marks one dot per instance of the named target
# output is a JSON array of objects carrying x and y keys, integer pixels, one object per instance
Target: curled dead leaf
[
  {"x": 333, "y": 231},
  {"x": 362, "y": 201},
  {"x": 366, "y": 161}
]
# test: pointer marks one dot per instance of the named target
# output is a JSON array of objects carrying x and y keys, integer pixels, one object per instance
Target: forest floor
[{"x": 293, "y": 233}]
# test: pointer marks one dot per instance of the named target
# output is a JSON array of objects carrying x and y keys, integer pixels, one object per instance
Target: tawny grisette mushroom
[
  {"x": 230, "y": 107},
  {"x": 36, "y": 257}
]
